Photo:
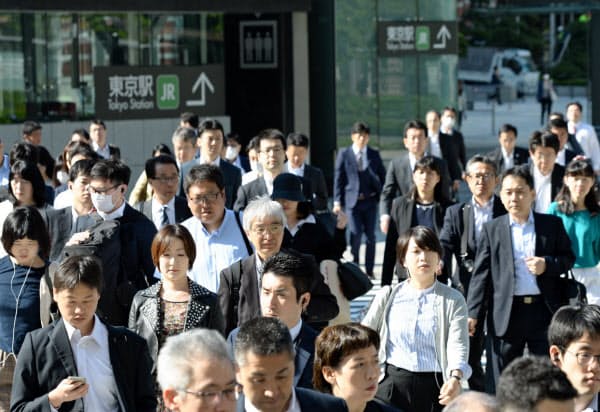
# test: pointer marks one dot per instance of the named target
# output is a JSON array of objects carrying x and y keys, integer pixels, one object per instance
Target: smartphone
[{"x": 79, "y": 379}]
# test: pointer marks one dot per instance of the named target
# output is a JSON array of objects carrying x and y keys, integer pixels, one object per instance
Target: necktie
[
  {"x": 359, "y": 161},
  {"x": 164, "y": 218}
]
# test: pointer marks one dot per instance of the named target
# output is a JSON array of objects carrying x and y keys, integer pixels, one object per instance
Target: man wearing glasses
[
  {"x": 240, "y": 283},
  {"x": 217, "y": 231},
  {"x": 574, "y": 338},
  {"x": 165, "y": 207},
  {"x": 196, "y": 373}
]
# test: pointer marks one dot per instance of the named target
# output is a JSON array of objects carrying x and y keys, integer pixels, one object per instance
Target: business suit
[
  {"x": 318, "y": 188},
  {"x": 573, "y": 145},
  {"x": 60, "y": 229},
  {"x": 258, "y": 188},
  {"x": 453, "y": 151},
  {"x": 398, "y": 181},
  {"x": 304, "y": 358},
  {"x": 357, "y": 192},
  {"x": 182, "y": 211},
  {"x": 322, "y": 306},
  {"x": 46, "y": 358},
  {"x": 520, "y": 156},
  {"x": 232, "y": 176},
  {"x": 451, "y": 240},
  {"x": 402, "y": 219},
  {"x": 309, "y": 401},
  {"x": 511, "y": 322}
]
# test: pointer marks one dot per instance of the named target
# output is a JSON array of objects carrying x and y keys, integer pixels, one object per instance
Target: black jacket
[
  {"x": 310, "y": 401},
  {"x": 182, "y": 211}
]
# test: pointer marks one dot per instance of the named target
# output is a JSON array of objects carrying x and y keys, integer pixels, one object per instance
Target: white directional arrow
[
  {"x": 202, "y": 82},
  {"x": 442, "y": 36}
]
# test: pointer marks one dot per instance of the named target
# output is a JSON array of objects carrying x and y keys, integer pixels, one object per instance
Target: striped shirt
[{"x": 412, "y": 325}]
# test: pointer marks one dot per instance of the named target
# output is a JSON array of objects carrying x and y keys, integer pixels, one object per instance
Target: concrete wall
[{"x": 136, "y": 138}]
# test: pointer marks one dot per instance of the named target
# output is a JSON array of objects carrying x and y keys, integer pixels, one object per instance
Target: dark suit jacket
[
  {"x": 346, "y": 181},
  {"x": 493, "y": 278},
  {"x": 46, "y": 359},
  {"x": 574, "y": 145},
  {"x": 451, "y": 238},
  {"x": 520, "y": 156},
  {"x": 453, "y": 152},
  {"x": 114, "y": 152},
  {"x": 398, "y": 181},
  {"x": 310, "y": 401},
  {"x": 314, "y": 176},
  {"x": 305, "y": 354},
  {"x": 60, "y": 225},
  {"x": 182, "y": 211},
  {"x": 257, "y": 188},
  {"x": 402, "y": 215},
  {"x": 323, "y": 305},
  {"x": 231, "y": 175}
]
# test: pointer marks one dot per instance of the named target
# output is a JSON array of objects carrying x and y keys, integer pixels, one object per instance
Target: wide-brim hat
[{"x": 288, "y": 186}]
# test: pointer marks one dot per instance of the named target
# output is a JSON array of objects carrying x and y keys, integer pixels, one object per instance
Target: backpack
[{"x": 104, "y": 243}]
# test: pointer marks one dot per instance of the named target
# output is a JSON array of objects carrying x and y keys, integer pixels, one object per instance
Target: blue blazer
[
  {"x": 310, "y": 401},
  {"x": 305, "y": 355},
  {"x": 346, "y": 183}
]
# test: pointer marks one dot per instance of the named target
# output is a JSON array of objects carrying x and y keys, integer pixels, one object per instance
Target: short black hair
[
  {"x": 521, "y": 171},
  {"x": 46, "y": 160},
  {"x": 558, "y": 123},
  {"x": 74, "y": 270},
  {"x": 264, "y": 337},
  {"x": 544, "y": 139},
  {"x": 23, "y": 151},
  {"x": 253, "y": 144},
  {"x": 210, "y": 124},
  {"x": 270, "y": 134},
  {"x": 576, "y": 103},
  {"x": 478, "y": 158},
  {"x": 449, "y": 109},
  {"x": 98, "y": 122},
  {"x": 114, "y": 171},
  {"x": 429, "y": 163},
  {"x": 360, "y": 127},
  {"x": 26, "y": 222},
  {"x": 508, "y": 128},
  {"x": 83, "y": 133},
  {"x": 81, "y": 167},
  {"x": 81, "y": 149},
  {"x": 528, "y": 381},
  {"x": 570, "y": 323},
  {"x": 204, "y": 173},
  {"x": 30, "y": 172},
  {"x": 290, "y": 263},
  {"x": 150, "y": 166},
  {"x": 190, "y": 118},
  {"x": 162, "y": 149},
  {"x": 424, "y": 238},
  {"x": 298, "y": 139},
  {"x": 30, "y": 126},
  {"x": 414, "y": 124}
]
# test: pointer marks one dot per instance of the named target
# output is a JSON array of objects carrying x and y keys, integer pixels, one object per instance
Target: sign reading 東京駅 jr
[
  {"x": 398, "y": 38},
  {"x": 151, "y": 92}
]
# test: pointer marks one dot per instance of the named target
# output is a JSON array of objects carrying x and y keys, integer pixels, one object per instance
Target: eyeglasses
[
  {"x": 584, "y": 358},
  {"x": 229, "y": 394},
  {"x": 164, "y": 179},
  {"x": 92, "y": 189},
  {"x": 482, "y": 176},
  {"x": 273, "y": 228},
  {"x": 207, "y": 198}
]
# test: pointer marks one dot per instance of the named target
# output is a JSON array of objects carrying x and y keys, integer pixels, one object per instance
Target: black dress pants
[{"x": 411, "y": 391}]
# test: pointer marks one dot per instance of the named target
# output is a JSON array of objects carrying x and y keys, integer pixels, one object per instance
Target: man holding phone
[{"x": 78, "y": 362}]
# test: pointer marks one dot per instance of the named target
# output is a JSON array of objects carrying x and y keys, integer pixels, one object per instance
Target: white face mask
[
  {"x": 102, "y": 202},
  {"x": 231, "y": 152},
  {"x": 256, "y": 166},
  {"x": 62, "y": 177},
  {"x": 447, "y": 122}
]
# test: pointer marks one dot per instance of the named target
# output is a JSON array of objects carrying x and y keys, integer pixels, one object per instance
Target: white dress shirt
[
  {"x": 293, "y": 407},
  {"x": 560, "y": 157},
  {"x": 216, "y": 162},
  {"x": 434, "y": 145},
  {"x": 63, "y": 199},
  {"x": 103, "y": 152},
  {"x": 523, "y": 245},
  {"x": 309, "y": 219},
  {"x": 296, "y": 171},
  {"x": 508, "y": 158},
  {"x": 543, "y": 190},
  {"x": 587, "y": 138},
  {"x": 92, "y": 359},
  {"x": 157, "y": 212},
  {"x": 295, "y": 331}
]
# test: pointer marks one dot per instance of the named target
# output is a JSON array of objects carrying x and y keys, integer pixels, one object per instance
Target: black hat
[{"x": 288, "y": 186}]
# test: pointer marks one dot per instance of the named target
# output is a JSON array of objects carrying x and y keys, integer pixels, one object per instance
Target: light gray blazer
[{"x": 452, "y": 335}]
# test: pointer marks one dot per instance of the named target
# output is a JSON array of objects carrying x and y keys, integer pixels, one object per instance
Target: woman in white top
[{"x": 423, "y": 328}]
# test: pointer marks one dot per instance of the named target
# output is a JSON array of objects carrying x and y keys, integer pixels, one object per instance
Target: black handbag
[
  {"x": 353, "y": 281},
  {"x": 574, "y": 291}
]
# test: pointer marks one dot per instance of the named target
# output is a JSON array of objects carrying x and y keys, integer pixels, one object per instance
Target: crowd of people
[{"x": 214, "y": 286}]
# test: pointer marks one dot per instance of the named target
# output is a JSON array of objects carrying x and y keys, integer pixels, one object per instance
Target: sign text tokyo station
[{"x": 397, "y": 38}]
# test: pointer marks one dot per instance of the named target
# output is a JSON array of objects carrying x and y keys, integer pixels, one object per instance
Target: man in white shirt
[
  {"x": 574, "y": 338},
  {"x": 547, "y": 174},
  {"x": 264, "y": 355},
  {"x": 584, "y": 133},
  {"x": 78, "y": 362},
  {"x": 100, "y": 143},
  {"x": 508, "y": 154},
  {"x": 217, "y": 231}
]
